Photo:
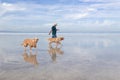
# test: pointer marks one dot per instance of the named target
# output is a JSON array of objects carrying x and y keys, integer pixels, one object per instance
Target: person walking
[{"x": 53, "y": 31}]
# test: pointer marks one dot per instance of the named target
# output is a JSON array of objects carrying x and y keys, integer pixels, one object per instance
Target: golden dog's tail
[{"x": 48, "y": 39}]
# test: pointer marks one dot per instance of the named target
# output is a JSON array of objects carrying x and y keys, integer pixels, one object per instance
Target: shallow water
[{"x": 82, "y": 57}]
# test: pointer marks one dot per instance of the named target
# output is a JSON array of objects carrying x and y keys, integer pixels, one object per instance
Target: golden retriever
[
  {"x": 30, "y": 42},
  {"x": 56, "y": 40}
]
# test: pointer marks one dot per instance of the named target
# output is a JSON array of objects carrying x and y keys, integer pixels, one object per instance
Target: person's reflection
[
  {"x": 53, "y": 51},
  {"x": 30, "y": 58}
]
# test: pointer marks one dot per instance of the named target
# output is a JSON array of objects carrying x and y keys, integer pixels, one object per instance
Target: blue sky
[{"x": 71, "y": 15}]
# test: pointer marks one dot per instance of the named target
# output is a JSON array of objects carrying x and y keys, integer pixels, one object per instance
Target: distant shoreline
[{"x": 60, "y": 32}]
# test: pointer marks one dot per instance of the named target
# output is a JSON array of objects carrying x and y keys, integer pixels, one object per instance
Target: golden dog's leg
[
  {"x": 60, "y": 44},
  {"x": 57, "y": 43},
  {"x": 50, "y": 43},
  {"x": 30, "y": 49}
]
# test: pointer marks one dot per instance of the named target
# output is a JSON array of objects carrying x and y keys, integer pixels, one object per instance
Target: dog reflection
[
  {"x": 54, "y": 51},
  {"x": 30, "y": 58}
]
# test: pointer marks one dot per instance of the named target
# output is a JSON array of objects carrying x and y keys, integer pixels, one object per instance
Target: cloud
[
  {"x": 76, "y": 16},
  {"x": 32, "y": 14},
  {"x": 79, "y": 14},
  {"x": 98, "y": 0},
  {"x": 7, "y": 7},
  {"x": 11, "y": 7}
]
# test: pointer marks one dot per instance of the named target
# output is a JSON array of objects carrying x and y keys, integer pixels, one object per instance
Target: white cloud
[
  {"x": 11, "y": 7},
  {"x": 98, "y": 0},
  {"x": 76, "y": 16},
  {"x": 67, "y": 15},
  {"x": 83, "y": 13},
  {"x": 103, "y": 23},
  {"x": 7, "y": 7}
]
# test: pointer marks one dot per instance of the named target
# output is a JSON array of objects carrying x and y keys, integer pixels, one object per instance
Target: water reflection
[
  {"x": 30, "y": 58},
  {"x": 53, "y": 51}
]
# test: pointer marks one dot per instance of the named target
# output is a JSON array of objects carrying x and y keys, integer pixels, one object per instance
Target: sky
[{"x": 70, "y": 15}]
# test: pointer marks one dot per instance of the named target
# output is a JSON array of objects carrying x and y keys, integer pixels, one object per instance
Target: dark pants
[{"x": 54, "y": 36}]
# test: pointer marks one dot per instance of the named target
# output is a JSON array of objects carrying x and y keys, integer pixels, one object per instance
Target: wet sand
[{"x": 82, "y": 57}]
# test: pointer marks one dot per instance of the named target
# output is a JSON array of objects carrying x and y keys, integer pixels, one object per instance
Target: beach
[{"x": 82, "y": 56}]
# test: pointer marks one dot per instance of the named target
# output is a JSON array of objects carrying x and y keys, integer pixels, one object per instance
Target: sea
[{"x": 81, "y": 56}]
